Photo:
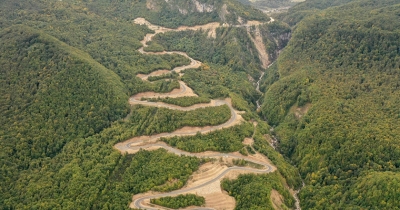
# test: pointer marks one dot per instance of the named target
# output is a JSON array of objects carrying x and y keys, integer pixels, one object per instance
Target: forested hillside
[
  {"x": 174, "y": 13},
  {"x": 67, "y": 70},
  {"x": 269, "y": 4},
  {"x": 336, "y": 102},
  {"x": 49, "y": 96}
]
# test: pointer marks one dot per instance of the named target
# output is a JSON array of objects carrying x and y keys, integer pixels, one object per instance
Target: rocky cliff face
[
  {"x": 184, "y": 7},
  {"x": 281, "y": 41},
  {"x": 275, "y": 36}
]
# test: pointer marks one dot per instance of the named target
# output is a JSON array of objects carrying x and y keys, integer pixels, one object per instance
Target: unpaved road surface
[
  {"x": 138, "y": 203},
  {"x": 126, "y": 146}
]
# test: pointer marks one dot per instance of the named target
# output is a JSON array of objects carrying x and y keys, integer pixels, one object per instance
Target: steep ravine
[{"x": 264, "y": 58}]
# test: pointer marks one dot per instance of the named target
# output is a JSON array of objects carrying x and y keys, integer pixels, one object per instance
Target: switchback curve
[{"x": 147, "y": 142}]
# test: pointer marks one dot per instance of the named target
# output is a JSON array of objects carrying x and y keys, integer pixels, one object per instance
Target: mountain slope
[
  {"x": 50, "y": 94},
  {"x": 267, "y": 4},
  {"x": 174, "y": 13},
  {"x": 336, "y": 104}
]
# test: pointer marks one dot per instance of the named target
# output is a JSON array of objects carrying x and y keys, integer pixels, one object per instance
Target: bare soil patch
[
  {"x": 299, "y": 112},
  {"x": 277, "y": 199},
  {"x": 248, "y": 141},
  {"x": 220, "y": 201},
  {"x": 259, "y": 43}
]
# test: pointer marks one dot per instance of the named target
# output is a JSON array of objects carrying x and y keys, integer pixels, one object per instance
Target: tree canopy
[{"x": 343, "y": 63}]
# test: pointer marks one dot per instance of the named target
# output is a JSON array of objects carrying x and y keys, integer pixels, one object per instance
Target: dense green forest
[
  {"x": 172, "y": 75},
  {"x": 220, "y": 82},
  {"x": 266, "y": 4},
  {"x": 37, "y": 118},
  {"x": 344, "y": 62},
  {"x": 143, "y": 172},
  {"x": 262, "y": 145},
  {"x": 87, "y": 173},
  {"x": 180, "y": 201},
  {"x": 182, "y": 101},
  {"x": 110, "y": 42},
  {"x": 254, "y": 191},
  {"x": 309, "y": 7},
  {"x": 152, "y": 120},
  {"x": 226, "y": 140}
]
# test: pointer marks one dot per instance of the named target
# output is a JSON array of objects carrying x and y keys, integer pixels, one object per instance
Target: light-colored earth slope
[
  {"x": 260, "y": 46},
  {"x": 277, "y": 199}
]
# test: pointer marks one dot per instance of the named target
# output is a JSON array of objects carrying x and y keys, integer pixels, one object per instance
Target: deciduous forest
[
  {"x": 179, "y": 201},
  {"x": 343, "y": 63},
  {"x": 328, "y": 120}
]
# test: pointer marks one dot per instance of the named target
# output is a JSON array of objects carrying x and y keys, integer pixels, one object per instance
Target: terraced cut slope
[{"x": 206, "y": 182}]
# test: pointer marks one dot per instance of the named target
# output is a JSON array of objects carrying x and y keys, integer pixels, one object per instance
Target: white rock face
[
  {"x": 195, "y": 6},
  {"x": 183, "y": 11},
  {"x": 203, "y": 7}
]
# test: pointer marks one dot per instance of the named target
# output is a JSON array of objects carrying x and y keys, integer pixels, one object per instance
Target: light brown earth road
[
  {"x": 183, "y": 90},
  {"x": 150, "y": 142},
  {"x": 138, "y": 203},
  {"x": 126, "y": 146}
]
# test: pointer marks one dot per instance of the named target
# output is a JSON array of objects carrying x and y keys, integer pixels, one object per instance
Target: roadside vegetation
[
  {"x": 254, "y": 191},
  {"x": 180, "y": 201},
  {"x": 224, "y": 140},
  {"x": 172, "y": 75},
  {"x": 152, "y": 120},
  {"x": 185, "y": 101},
  {"x": 221, "y": 82}
]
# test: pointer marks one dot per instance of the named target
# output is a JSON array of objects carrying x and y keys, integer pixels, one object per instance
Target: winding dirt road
[
  {"x": 133, "y": 145},
  {"x": 138, "y": 203},
  {"x": 128, "y": 145}
]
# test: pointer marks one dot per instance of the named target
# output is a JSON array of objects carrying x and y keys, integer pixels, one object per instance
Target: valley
[{"x": 203, "y": 185}]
